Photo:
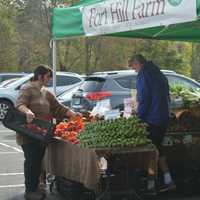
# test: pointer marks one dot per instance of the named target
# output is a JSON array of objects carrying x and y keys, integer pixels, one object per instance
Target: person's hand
[
  {"x": 71, "y": 114},
  {"x": 78, "y": 114},
  {"x": 29, "y": 116}
]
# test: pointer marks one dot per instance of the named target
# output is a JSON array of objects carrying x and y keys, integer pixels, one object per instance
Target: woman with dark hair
[
  {"x": 37, "y": 102},
  {"x": 41, "y": 70}
]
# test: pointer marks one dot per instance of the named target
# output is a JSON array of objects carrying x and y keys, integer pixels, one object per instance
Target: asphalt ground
[
  {"x": 11, "y": 168},
  {"x": 11, "y": 171}
]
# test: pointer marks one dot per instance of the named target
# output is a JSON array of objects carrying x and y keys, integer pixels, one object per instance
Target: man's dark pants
[
  {"x": 156, "y": 135},
  {"x": 33, "y": 153}
]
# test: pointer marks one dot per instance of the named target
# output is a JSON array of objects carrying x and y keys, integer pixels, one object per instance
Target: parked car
[
  {"x": 116, "y": 85},
  {"x": 9, "y": 93},
  {"x": 10, "y": 75}
]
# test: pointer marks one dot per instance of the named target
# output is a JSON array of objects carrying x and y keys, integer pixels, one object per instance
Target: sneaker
[
  {"x": 167, "y": 187},
  {"x": 33, "y": 196}
]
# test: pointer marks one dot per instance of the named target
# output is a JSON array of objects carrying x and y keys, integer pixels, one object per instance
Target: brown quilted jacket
[{"x": 41, "y": 102}]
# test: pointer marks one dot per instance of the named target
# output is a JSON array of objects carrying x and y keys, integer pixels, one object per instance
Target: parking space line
[
  {"x": 11, "y": 186},
  {"x": 6, "y": 131},
  {"x": 9, "y": 152},
  {"x": 10, "y": 141},
  {"x": 11, "y": 174},
  {"x": 9, "y": 146}
]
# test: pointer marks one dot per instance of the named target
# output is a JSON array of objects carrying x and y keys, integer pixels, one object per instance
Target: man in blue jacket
[{"x": 153, "y": 109}]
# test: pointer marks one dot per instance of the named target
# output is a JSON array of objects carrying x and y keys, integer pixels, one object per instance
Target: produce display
[
  {"x": 69, "y": 130},
  {"x": 184, "y": 121},
  {"x": 120, "y": 132},
  {"x": 188, "y": 96},
  {"x": 96, "y": 132},
  {"x": 187, "y": 116}
]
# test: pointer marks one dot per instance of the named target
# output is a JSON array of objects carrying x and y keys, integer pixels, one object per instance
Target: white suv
[{"x": 9, "y": 93}]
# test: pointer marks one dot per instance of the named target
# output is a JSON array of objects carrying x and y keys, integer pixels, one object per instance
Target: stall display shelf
[{"x": 125, "y": 150}]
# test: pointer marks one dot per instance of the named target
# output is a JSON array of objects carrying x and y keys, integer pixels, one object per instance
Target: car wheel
[{"x": 4, "y": 106}]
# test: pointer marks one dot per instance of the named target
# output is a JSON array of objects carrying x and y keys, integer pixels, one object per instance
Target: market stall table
[{"x": 72, "y": 162}]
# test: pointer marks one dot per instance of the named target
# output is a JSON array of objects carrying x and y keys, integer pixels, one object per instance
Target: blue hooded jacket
[{"x": 153, "y": 95}]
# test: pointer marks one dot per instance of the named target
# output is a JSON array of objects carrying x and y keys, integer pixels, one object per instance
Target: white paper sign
[
  {"x": 128, "y": 105},
  {"x": 112, "y": 16}
]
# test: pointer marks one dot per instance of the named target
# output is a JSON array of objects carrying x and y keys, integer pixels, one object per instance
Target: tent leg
[{"x": 54, "y": 66}]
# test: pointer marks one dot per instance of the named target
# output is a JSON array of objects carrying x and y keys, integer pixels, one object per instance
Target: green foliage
[
  {"x": 168, "y": 55},
  {"x": 9, "y": 37},
  {"x": 196, "y": 61}
]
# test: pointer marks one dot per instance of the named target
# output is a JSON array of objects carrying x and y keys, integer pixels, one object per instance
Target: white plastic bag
[{"x": 101, "y": 107}]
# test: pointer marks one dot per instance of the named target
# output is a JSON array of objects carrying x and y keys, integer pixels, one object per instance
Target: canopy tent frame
[
  {"x": 187, "y": 31},
  {"x": 54, "y": 61}
]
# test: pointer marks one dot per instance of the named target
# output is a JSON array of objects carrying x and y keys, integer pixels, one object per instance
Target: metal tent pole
[{"x": 54, "y": 66}]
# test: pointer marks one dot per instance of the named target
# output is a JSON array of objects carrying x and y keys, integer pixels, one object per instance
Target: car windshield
[
  {"x": 92, "y": 84},
  {"x": 20, "y": 81},
  {"x": 7, "y": 82},
  {"x": 181, "y": 80}
]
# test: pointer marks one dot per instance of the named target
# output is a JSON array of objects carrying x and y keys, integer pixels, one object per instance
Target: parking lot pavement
[
  {"x": 11, "y": 170},
  {"x": 11, "y": 165}
]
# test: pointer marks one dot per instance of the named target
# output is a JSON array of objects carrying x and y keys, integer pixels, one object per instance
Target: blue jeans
[{"x": 33, "y": 154}]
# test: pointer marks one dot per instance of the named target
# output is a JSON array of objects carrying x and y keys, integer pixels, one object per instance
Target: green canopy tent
[{"x": 151, "y": 19}]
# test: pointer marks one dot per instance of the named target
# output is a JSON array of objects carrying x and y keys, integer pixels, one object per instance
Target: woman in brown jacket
[{"x": 37, "y": 102}]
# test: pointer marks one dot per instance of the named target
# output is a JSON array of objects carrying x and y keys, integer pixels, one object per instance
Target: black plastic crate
[
  {"x": 73, "y": 190},
  {"x": 38, "y": 129}
]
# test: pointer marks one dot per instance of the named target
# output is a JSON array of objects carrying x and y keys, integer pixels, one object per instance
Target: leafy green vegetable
[{"x": 114, "y": 133}]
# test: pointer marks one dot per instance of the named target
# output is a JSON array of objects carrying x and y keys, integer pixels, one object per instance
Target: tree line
[{"x": 25, "y": 33}]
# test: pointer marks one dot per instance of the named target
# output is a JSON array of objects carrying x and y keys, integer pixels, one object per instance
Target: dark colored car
[{"x": 116, "y": 85}]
